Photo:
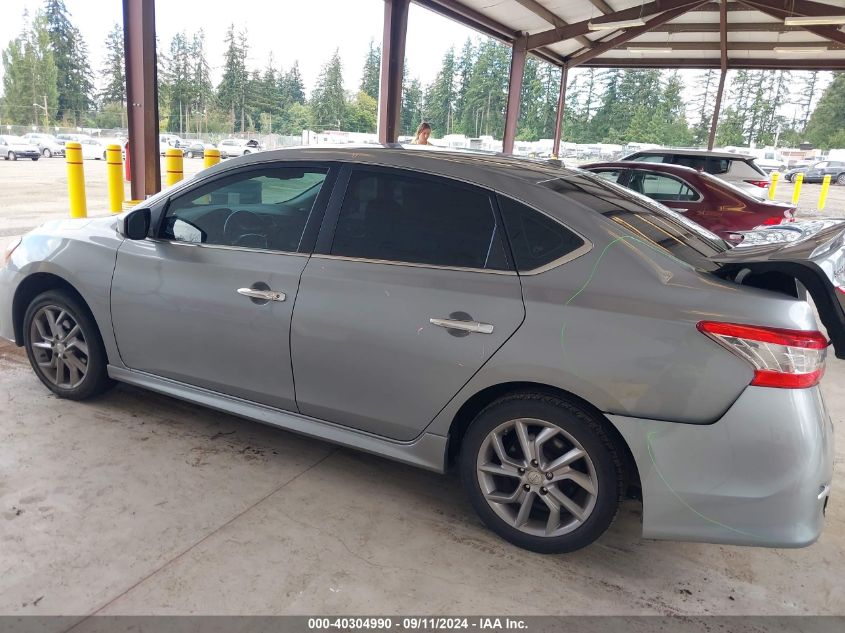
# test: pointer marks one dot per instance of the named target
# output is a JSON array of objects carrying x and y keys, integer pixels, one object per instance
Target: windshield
[{"x": 644, "y": 218}]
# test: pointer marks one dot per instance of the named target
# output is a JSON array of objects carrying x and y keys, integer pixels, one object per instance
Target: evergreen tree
[
  {"x": 328, "y": 102},
  {"x": 30, "y": 75},
  {"x": 485, "y": 97},
  {"x": 372, "y": 71},
  {"x": 291, "y": 87},
  {"x": 440, "y": 97},
  {"x": 826, "y": 127},
  {"x": 202, "y": 89},
  {"x": 704, "y": 102},
  {"x": 113, "y": 71},
  {"x": 806, "y": 96},
  {"x": 463, "y": 74},
  {"x": 74, "y": 78},
  {"x": 231, "y": 92},
  {"x": 412, "y": 113},
  {"x": 179, "y": 86},
  {"x": 605, "y": 122}
]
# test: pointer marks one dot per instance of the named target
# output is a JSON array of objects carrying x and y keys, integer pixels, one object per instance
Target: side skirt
[{"x": 426, "y": 451}]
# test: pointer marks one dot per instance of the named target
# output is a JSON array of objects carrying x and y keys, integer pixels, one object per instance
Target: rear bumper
[{"x": 759, "y": 476}]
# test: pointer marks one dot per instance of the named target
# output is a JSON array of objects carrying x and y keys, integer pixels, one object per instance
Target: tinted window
[
  {"x": 661, "y": 187},
  {"x": 611, "y": 175},
  {"x": 650, "y": 158},
  {"x": 388, "y": 216},
  {"x": 265, "y": 209},
  {"x": 535, "y": 238},
  {"x": 696, "y": 162},
  {"x": 718, "y": 165}
]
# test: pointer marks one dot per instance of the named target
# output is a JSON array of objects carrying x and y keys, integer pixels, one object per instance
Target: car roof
[
  {"x": 681, "y": 170},
  {"x": 694, "y": 152},
  {"x": 482, "y": 168}
]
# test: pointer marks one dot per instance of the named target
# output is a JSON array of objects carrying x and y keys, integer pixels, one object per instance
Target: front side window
[
  {"x": 264, "y": 209},
  {"x": 611, "y": 175},
  {"x": 398, "y": 218},
  {"x": 650, "y": 158},
  {"x": 661, "y": 187}
]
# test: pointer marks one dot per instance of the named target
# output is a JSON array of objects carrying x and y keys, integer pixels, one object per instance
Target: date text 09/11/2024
[{"x": 416, "y": 623}]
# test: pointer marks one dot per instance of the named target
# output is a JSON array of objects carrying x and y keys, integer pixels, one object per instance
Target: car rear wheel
[
  {"x": 11, "y": 156},
  {"x": 541, "y": 473},
  {"x": 46, "y": 153},
  {"x": 35, "y": 157},
  {"x": 840, "y": 179},
  {"x": 64, "y": 346},
  {"x": 190, "y": 155}
]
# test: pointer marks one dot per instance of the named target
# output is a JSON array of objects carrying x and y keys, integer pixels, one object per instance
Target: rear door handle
[
  {"x": 463, "y": 326},
  {"x": 264, "y": 295}
]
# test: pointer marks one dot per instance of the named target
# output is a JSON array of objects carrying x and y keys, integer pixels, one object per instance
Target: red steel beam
[
  {"x": 518, "y": 55},
  {"x": 561, "y": 107},
  {"x": 392, "y": 66},
  {"x": 723, "y": 64},
  {"x": 630, "y": 34},
  {"x": 141, "y": 96}
]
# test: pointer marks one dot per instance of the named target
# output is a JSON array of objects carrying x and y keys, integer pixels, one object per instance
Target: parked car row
[
  {"x": 815, "y": 172},
  {"x": 229, "y": 147}
]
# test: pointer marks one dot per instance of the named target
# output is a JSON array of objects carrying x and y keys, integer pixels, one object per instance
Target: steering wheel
[{"x": 245, "y": 228}]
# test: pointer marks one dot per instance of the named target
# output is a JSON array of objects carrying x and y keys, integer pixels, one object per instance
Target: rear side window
[
  {"x": 610, "y": 175},
  {"x": 392, "y": 217},
  {"x": 536, "y": 239},
  {"x": 662, "y": 187},
  {"x": 650, "y": 158},
  {"x": 696, "y": 162}
]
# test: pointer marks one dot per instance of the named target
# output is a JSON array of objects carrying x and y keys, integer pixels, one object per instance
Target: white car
[
  {"x": 238, "y": 147},
  {"x": 15, "y": 147},
  {"x": 92, "y": 149},
  {"x": 47, "y": 144}
]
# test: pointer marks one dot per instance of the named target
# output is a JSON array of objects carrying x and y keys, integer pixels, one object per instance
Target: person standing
[{"x": 422, "y": 134}]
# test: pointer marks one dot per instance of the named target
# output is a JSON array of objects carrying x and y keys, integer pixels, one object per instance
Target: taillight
[
  {"x": 759, "y": 183},
  {"x": 787, "y": 359}
]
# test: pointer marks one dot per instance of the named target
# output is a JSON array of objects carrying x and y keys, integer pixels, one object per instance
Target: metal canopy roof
[{"x": 698, "y": 32}]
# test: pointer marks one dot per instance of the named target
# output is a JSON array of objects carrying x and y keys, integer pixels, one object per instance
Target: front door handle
[
  {"x": 264, "y": 295},
  {"x": 463, "y": 326}
]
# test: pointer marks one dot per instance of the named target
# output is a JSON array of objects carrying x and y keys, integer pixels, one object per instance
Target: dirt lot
[{"x": 136, "y": 503}]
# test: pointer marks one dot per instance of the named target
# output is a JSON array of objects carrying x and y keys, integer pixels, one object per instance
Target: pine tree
[
  {"x": 202, "y": 89},
  {"x": 30, "y": 75},
  {"x": 806, "y": 95},
  {"x": 440, "y": 97},
  {"x": 291, "y": 87},
  {"x": 826, "y": 127},
  {"x": 231, "y": 92},
  {"x": 113, "y": 71},
  {"x": 463, "y": 74},
  {"x": 704, "y": 102},
  {"x": 74, "y": 77},
  {"x": 411, "y": 114},
  {"x": 177, "y": 77},
  {"x": 372, "y": 71},
  {"x": 328, "y": 102},
  {"x": 486, "y": 91}
]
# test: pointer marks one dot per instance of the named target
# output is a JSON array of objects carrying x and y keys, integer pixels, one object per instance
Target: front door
[
  {"x": 414, "y": 293},
  {"x": 209, "y": 302}
]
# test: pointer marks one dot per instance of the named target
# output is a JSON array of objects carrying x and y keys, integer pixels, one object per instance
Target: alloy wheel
[
  {"x": 47, "y": 153},
  {"x": 537, "y": 477},
  {"x": 840, "y": 179},
  {"x": 59, "y": 347}
]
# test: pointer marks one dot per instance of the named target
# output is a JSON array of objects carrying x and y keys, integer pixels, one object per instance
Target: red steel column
[
  {"x": 142, "y": 96},
  {"x": 561, "y": 106},
  {"x": 392, "y": 65},
  {"x": 518, "y": 55}
]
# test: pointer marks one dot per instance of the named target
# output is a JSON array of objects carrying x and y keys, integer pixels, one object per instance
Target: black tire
[
  {"x": 788, "y": 178},
  {"x": 11, "y": 156},
  {"x": 577, "y": 423},
  {"x": 46, "y": 153},
  {"x": 96, "y": 379},
  {"x": 840, "y": 179},
  {"x": 35, "y": 158}
]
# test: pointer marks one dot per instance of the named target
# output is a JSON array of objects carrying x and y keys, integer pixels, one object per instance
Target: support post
[
  {"x": 518, "y": 55},
  {"x": 561, "y": 107},
  {"x": 142, "y": 96},
  {"x": 392, "y": 67}
]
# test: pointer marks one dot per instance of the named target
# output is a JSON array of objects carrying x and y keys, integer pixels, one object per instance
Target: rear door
[
  {"x": 675, "y": 193},
  {"x": 816, "y": 172},
  {"x": 410, "y": 291},
  {"x": 811, "y": 252}
]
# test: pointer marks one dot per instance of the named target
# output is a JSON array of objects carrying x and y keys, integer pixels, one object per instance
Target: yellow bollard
[
  {"x": 75, "y": 180},
  {"x": 823, "y": 194},
  {"x": 172, "y": 166},
  {"x": 210, "y": 158},
  {"x": 114, "y": 177},
  {"x": 796, "y": 190},
  {"x": 774, "y": 185}
]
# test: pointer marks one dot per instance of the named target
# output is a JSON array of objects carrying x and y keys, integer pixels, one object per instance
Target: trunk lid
[{"x": 811, "y": 252}]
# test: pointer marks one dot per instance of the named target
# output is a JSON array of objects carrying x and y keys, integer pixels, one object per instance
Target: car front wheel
[
  {"x": 840, "y": 179},
  {"x": 541, "y": 473},
  {"x": 11, "y": 156},
  {"x": 35, "y": 157},
  {"x": 46, "y": 153},
  {"x": 64, "y": 346}
]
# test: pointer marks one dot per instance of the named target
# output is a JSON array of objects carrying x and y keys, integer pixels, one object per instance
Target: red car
[{"x": 713, "y": 203}]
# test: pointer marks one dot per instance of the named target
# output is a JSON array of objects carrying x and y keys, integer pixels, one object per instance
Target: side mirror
[{"x": 136, "y": 224}]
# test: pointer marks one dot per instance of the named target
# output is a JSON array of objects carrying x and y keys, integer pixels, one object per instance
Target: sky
[{"x": 289, "y": 30}]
